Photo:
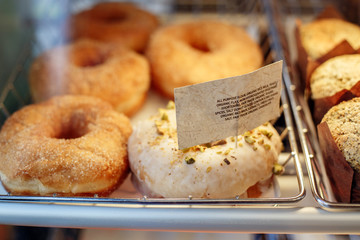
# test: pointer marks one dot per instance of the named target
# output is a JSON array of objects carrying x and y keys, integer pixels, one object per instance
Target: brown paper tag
[{"x": 215, "y": 110}]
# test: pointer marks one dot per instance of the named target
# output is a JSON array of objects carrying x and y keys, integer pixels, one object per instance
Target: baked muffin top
[
  {"x": 320, "y": 36},
  {"x": 334, "y": 75},
  {"x": 344, "y": 124}
]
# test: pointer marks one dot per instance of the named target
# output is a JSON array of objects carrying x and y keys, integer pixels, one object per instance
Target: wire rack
[
  {"x": 283, "y": 33},
  {"x": 45, "y": 31}
]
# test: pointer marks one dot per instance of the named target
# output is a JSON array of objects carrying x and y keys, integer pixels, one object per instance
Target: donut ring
[
  {"x": 121, "y": 23},
  {"x": 195, "y": 52},
  {"x": 219, "y": 171},
  {"x": 69, "y": 145},
  {"x": 85, "y": 67}
]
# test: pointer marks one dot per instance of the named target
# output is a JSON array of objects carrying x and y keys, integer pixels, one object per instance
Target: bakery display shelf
[
  {"x": 290, "y": 211},
  {"x": 285, "y": 45},
  {"x": 47, "y": 32}
]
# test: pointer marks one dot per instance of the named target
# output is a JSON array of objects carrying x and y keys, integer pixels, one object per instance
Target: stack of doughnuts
[
  {"x": 102, "y": 60},
  {"x": 72, "y": 142}
]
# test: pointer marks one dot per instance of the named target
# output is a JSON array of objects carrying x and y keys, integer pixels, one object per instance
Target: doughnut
[
  {"x": 68, "y": 145},
  {"x": 194, "y": 52},
  {"x": 213, "y": 170},
  {"x": 86, "y": 67},
  {"x": 120, "y": 23}
]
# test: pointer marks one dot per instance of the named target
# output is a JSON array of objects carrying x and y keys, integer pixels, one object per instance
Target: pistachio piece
[
  {"x": 266, "y": 133},
  {"x": 249, "y": 140},
  {"x": 228, "y": 151},
  {"x": 170, "y": 105},
  {"x": 278, "y": 169},
  {"x": 189, "y": 160},
  {"x": 185, "y": 150},
  {"x": 267, "y": 147}
]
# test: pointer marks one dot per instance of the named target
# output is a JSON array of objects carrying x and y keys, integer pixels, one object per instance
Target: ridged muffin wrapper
[
  {"x": 345, "y": 182},
  {"x": 320, "y": 106},
  {"x": 303, "y": 60}
]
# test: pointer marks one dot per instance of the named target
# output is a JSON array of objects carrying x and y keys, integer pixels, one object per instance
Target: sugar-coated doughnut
[
  {"x": 86, "y": 67},
  {"x": 116, "y": 22},
  {"x": 194, "y": 52},
  {"x": 217, "y": 170},
  {"x": 68, "y": 145}
]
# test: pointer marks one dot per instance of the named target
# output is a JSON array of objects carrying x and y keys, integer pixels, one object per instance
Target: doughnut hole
[
  {"x": 200, "y": 46},
  {"x": 114, "y": 18},
  {"x": 73, "y": 126},
  {"x": 88, "y": 56}
]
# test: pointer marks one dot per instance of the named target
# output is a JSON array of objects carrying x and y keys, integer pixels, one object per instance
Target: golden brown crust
[
  {"x": 195, "y": 52},
  {"x": 121, "y": 23},
  {"x": 336, "y": 74},
  {"x": 86, "y": 67},
  {"x": 344, "y": 121},
  {"x": 69, "y": 145},
  {"x": 321, "y": 36}
]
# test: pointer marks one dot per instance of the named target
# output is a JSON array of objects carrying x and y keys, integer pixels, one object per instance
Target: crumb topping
[
  {"x": 344, "y": 123},
  {"x": 334, "y": 75}
]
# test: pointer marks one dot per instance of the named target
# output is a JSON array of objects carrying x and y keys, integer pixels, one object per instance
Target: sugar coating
[{"x": 68, "y": 145}]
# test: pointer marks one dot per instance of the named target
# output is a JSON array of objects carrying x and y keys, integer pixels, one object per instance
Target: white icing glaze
[{"x": 221, "y": 171}]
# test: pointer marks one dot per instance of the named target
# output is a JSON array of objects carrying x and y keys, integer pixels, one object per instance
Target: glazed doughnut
[
  {"x": 121, "y": 23},
  {"x": 86, "y": 67},
  {"x": 194, "y": 52},
  {"x": 217, "y": 170},
  {"x": 68, "y": 145}
]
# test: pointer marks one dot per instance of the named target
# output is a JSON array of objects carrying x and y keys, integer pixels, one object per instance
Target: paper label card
[{"x": 215, "y": 110}]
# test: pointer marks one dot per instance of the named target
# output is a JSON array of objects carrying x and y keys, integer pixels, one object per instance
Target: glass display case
[{"x": 298, "y": 200}]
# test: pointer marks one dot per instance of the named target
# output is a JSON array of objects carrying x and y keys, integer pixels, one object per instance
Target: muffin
[
  {"x": 339, "y": 140},
  {"x": 321, "y": 36},
  {"x": 334, "y": 75}
]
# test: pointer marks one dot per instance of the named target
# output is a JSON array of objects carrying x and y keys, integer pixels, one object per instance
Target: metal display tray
[
  {"x": 45, "y": 32},
  {"x": 285, "y": 44},
  {"x": 292, "y": 211}
]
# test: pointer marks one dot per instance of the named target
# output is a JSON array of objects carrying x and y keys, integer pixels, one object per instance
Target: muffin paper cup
[{"x": 344, "y": 180}]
